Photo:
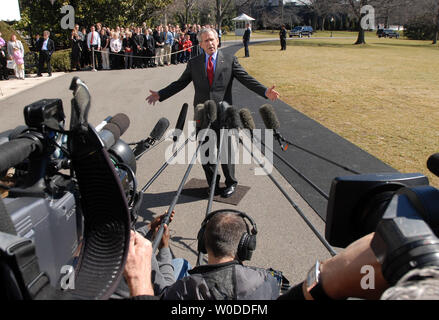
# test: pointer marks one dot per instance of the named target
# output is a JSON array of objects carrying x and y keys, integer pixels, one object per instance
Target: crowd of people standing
[{"x": 106, "y": 48}]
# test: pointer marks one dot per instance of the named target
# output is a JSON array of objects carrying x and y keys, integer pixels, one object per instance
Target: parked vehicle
[
  {"x": 387, "y": 33},
  {"x": 301, "y": 31}
]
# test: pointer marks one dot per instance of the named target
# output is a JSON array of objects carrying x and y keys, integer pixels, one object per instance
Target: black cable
[
  {"x": 325, "y": 195},
  {"x": 295, "y": 206}
]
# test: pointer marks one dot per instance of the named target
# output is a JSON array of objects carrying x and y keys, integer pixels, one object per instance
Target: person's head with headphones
[{"x": 225, "y": 236}]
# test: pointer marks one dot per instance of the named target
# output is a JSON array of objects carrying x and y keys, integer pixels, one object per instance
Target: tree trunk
[
  {"x": 435, "y": 36},
  {"x": 361, "y": 38},
  {"x": 323, "y": 23}
]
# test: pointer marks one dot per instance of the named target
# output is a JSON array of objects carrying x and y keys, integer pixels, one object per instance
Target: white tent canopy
[
  {"x": 240, "y": 23},
  {"x": 9, "y": 10},
  {"x": 243, "y": 17}
]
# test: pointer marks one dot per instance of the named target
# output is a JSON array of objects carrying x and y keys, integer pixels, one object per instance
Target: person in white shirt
[
  {"x": 16, "y": 52},
  {"x": 115, "y": 49},
  {"x": 94, "y": 42}
]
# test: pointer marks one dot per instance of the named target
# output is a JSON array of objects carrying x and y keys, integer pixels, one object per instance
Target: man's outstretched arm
[{"x": 172, "y": 89}]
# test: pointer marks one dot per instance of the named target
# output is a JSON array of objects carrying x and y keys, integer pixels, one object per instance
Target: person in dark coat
[
  {"x": 283, "y": 38},
  {"x": 246, "y": 39},
  {"x": 76, "y": 51},
  {"x": 45, "y": 47}
]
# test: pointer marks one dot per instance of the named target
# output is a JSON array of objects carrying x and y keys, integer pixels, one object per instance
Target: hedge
[{"x": 60, "y": 61}]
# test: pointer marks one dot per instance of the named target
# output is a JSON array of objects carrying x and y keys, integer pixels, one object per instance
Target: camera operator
[
  {"x": 164, "y": 270},
  {"x": 223, "y": 278},
  {"x": 340, "y": 277}
]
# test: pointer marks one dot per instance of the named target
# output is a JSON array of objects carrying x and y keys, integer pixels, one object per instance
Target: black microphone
[
  {"x": 113, "y": 130},
  {"x": 247, "y": 119},
  {"x": 122, "y": 121},
  {"x": 159, "y": 130},
  {"x": 433, "y": 164},
  {"x": 221, "y": 113},
  {"x": 156, "y": 134},
  {"x": 271, "y": 122},
  {"x": 233, "y": 120},
  {"x": 199, "y": 115},
  {"x": 210, "y": 113},
  {"x": 180, "y": 122}
]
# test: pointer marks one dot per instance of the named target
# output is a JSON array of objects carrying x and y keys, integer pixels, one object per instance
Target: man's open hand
[
  {"x": 272, "y": 94},
  {"x": 153, "y": 97},
  {"x": 137, "y": 270}
]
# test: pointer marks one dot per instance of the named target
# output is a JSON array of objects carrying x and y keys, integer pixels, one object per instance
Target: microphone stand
[
  {"x": 295, "y": 206},
  {"x": 212, "y": 188},
  {"x": 159, "y": 235},
  {"x": 165, "y": 165}
]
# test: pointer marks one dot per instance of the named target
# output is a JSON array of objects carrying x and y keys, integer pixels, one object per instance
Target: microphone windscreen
[
  {"x": 122, "y": 121},
  {"x": 221, "y": 113},
  {"x": 182, "y": 117},
  {"x": 210, "y": 112},
  {"x": 269, "y": 116},
  {"x": 159, "y": 129},
  {"x": 433, "y": 164},
  {"x": 199, "y": 115},
  {"x": 114, "y": 129},
  {"x": 232, "y": 118},
  {"x": 247, "y": 119}
]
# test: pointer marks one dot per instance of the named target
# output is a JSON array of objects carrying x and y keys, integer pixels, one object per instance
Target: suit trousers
[
  {"x": 159, "y": 56},
  {"x": 168, "y": 51},
  {"x": 247, "y": 53},
  {"x": 226, "y": 164},
  {"x": 283, "y": 44},
  {"x": 44, "y": 58}
]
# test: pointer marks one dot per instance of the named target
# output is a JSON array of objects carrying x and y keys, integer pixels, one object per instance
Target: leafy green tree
[{"x": 40, "y": 15}]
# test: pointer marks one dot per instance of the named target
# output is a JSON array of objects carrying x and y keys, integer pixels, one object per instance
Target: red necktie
[
  {"x": 91, "y": 40},
  {"x": 210, "y": 71}
]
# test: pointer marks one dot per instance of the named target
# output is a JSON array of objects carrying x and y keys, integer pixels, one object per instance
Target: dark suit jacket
[
  {"x": 227, "y": 69},
  {"x": 149, "y": 43},
  {"x": 50, "y": 45},
  {"x": 246, "y": 37}
]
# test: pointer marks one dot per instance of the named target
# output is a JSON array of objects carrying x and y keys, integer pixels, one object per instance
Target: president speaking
[{"x": 212, "y": 74}]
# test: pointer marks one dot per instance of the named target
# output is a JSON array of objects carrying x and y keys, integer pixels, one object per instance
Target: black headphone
[{"x": 247, "y": 244}]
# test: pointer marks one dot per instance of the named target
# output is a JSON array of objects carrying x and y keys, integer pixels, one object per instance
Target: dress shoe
[
  {"x": 229, "y": 191},
  {"x": 217, "y": 191}
]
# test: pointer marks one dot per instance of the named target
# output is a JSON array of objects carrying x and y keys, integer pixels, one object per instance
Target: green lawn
[{"x": 382, "y": 96}]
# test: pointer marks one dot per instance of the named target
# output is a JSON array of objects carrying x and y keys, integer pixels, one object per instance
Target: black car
[
  {"x": 387, "y": 33},
  {"x": 301, "y": 31}
]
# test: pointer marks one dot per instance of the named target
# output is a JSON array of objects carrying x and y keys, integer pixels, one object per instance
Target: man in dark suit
[
  {"x": 149, "y": 44},
  {"x": 246, "y": 39},
  {"x": 283, "y": 38},
  {"x": 45, "y": 47},
  {"x": 138, "y": 40},
  {"x": 212, "y": 74}
]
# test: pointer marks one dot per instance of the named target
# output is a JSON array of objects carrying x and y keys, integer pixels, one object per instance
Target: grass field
[{"x": 382, "y": 96}]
